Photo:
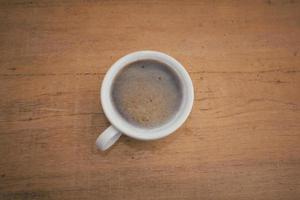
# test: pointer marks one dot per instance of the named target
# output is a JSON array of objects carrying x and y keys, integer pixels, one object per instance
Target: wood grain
[{"x": 242, "y": 140}]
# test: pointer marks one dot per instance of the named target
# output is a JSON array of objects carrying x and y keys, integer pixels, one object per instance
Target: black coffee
[{"x": 147, "y": 93}]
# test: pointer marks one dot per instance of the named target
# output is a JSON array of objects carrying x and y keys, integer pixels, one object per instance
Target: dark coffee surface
[{"x": 147, "y": 93}]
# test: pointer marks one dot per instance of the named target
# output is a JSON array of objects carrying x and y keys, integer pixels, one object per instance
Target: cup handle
[{"x": 108, "y": 138}]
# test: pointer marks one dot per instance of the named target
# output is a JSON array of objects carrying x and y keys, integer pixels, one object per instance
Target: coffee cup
[{"x": 136, "y": 69}]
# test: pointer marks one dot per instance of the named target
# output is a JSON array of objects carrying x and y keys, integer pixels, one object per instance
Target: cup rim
[{"x": 139, "y": 132}]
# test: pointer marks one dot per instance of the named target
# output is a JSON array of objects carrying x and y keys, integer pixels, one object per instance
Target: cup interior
[{"x": 146, "y": 133}]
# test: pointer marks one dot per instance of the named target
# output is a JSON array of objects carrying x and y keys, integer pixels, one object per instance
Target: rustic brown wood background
[{"x": 242, "y": 140}]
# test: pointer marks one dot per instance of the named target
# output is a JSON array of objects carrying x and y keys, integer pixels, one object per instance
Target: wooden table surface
[{"x": 241, "y": 141}]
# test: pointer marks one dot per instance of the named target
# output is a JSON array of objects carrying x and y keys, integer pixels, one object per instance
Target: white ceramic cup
[{"x": 120, "y": 125}]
